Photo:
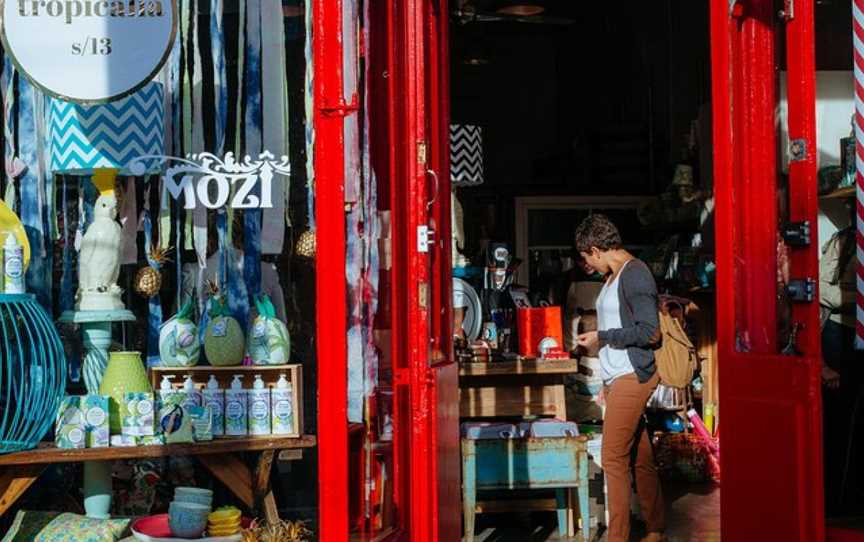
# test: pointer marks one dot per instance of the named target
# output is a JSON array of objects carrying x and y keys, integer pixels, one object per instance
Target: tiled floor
[{"x": 693, "y": 515}]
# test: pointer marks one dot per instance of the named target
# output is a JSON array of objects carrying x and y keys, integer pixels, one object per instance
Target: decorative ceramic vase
[
  {"x": 224, "y": 343},
  {"x": 125, "y": 373},
  {"x": 178, "y": 340},
  {"x": 269, "y": 342}
]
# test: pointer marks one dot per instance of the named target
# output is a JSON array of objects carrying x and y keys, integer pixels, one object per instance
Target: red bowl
[{"x": 156, "y": 529}]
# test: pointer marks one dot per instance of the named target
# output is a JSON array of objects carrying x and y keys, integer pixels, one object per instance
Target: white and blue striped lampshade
[{"x": 111, "y": 135}]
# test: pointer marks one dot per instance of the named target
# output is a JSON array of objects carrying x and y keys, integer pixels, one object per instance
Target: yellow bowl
[
  {"x": 223, "y": 524},
  {"x": 224, "y": 531},
  {"x": 225, "y": 515}
]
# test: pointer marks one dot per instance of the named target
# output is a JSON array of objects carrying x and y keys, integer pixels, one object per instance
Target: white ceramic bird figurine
[{"x": 99, "y": 259}]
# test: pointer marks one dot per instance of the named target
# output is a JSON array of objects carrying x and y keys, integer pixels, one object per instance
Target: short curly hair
[{"x": 597, "y": 231}]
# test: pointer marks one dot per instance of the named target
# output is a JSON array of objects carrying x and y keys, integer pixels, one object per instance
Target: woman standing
[{"x": 628, "y": 326}]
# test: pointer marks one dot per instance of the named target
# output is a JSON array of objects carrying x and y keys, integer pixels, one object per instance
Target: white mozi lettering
[
  {"x": 222, "y": 189},
  {"x": 206, "y": 179},
  {"x": 243, "y": 198},
  {"x": 185, "y": 186}
]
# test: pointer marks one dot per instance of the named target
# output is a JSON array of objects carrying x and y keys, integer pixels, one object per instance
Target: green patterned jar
[{"x": 125, "y": 373}]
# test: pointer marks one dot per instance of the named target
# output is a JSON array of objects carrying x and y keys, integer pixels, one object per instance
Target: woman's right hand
[
  {"x": 600, "y": 399},
  {"x": 830, "y": 378}
]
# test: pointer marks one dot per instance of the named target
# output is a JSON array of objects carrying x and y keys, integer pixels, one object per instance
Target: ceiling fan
[{"x": 465, "y": 11}]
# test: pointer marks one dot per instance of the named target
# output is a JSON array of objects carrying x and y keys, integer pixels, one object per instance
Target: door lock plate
[
  {"x": 797, "y": 234},
  {"x": 801, "y": 290},
  {"x": 425, "y": 237}
]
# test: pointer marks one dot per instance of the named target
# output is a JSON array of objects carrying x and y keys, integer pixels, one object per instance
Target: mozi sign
[
  {"x": 89, "y": 51},
  {"x": 205, "y": 179}
]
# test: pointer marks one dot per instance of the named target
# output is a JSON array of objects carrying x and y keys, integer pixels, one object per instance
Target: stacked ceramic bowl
[
  {"x": 188, "y": 512},
  {"x": 224, "y": 522}
]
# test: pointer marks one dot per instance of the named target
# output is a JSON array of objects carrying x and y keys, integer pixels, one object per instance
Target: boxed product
[
  {"x": 70, "y": 430},
  {"x": 137, "y": 415},
  {"x": 123, "y": 441},
  {"x": 202, "y": 423},
  {"x": 175, "y": 424},
  {"x": 95, "y": 411},
  {"x": 155, "y": 440}
]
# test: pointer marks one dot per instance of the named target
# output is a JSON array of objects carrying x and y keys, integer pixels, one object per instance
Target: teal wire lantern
[{"x": 32, "y": 372}]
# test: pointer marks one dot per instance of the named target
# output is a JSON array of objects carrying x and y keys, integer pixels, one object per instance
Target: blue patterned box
[
  {"x": 69, "y": 431},
  {"x": 111, "y": 135},
  {"x": 95, "y": 411}
]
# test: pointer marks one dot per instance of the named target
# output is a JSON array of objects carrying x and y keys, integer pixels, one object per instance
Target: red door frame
[
  {"x": 329, "y": 151},
  {"x": 426, "y": 378},
  {"x": 772, "y": 453}
]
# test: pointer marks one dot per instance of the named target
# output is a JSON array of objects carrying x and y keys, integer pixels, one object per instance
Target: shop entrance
[{"x": 561, "y": 112}]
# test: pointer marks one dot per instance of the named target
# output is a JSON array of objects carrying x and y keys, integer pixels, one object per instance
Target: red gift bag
[{"x": 536, "y": 324}]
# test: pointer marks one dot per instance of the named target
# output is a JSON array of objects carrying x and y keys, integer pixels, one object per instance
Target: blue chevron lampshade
[
  {"x": 111, "y": 135},
  {"x": 466, "y": 155}
]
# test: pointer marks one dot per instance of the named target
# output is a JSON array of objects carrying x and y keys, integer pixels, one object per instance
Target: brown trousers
[{"x": 626, "y": 445}]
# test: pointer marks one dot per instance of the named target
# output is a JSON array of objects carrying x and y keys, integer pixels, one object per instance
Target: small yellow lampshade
[{"x": 104, "y": 179}]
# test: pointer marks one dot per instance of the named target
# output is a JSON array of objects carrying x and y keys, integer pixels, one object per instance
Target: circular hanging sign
[{"x": 89, "y": 51}]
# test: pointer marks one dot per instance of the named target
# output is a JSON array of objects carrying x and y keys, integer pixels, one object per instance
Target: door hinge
[
  {"x": 425, "y": 237},
  {"x": 797, "y": 234},
  {"x": 797, "y": 150},
  {"x": 421, "y": 152},
  {"x": 340, "y": 108},
  {"x": 801, "y": 290}
]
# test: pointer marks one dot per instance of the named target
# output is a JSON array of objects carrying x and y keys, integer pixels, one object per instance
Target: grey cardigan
[{"x": 639, "y": 321}]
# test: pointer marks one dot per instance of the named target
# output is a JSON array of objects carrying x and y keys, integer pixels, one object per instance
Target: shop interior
[{"x": 560, "y": 110}]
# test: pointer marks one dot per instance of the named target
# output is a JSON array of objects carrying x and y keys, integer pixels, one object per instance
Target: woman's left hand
[{"x": 588, "y": 340}]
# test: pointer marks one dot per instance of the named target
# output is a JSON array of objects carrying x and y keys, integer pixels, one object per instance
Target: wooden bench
[{"x": 529, "y": 463}]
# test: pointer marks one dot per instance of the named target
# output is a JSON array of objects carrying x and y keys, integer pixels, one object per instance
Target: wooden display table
[
  {"x": 221, "y": 457},
  {"x": 530, "y": 387}
]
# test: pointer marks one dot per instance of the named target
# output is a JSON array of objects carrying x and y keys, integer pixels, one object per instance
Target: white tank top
[{"x": 614, "y": 362}]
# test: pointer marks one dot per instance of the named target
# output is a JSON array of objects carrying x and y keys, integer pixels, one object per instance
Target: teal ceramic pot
[
  {"x": 193, "y": 495},
  {"x": 187, "y": 520}
]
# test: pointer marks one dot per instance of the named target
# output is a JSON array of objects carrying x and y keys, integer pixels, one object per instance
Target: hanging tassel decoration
[
  {"x": 253, "y": 113},
  {"x": 220, "y": 84},
  {"x": 199, "y": 220},
  {"x": 14, "y": 166},
  {"x": 154, "y": 305},
  {"x": 275, "y": 113},
  {"x": 33, "y": 205}
]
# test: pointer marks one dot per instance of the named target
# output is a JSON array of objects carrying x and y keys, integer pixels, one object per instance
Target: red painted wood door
[
  {"x": 422, "y": 270},
  {"x": 770, "y": 397}
]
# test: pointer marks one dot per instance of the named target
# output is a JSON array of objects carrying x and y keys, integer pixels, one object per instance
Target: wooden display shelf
[
  {"x": 222, "y": 458},
  {"x": 224, "y": 375},
  {"x": 528, "y": 387},
  {"x": 521, "y": 367},
  {"x": 49, "y": 453}
]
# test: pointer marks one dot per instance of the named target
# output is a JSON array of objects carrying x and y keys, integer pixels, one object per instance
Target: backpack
[{"x": 674, "y": 352}]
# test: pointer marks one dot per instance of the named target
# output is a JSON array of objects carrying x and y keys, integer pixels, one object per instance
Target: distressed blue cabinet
[{"x": 559, "y": 463}]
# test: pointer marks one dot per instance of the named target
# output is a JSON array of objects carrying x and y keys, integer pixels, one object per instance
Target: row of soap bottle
[{"x": 238, "y": 411}]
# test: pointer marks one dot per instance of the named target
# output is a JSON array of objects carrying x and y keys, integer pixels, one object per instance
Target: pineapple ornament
[
  {"x": 224, "y": 342},
  {"x": 148, "y": 280}
]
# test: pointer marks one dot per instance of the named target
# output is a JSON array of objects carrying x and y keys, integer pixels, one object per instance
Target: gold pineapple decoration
[
  {"x": 306, "y": 244},
  {"x": 148, "y": 280},
  {"x": 279, "y": 531}
]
